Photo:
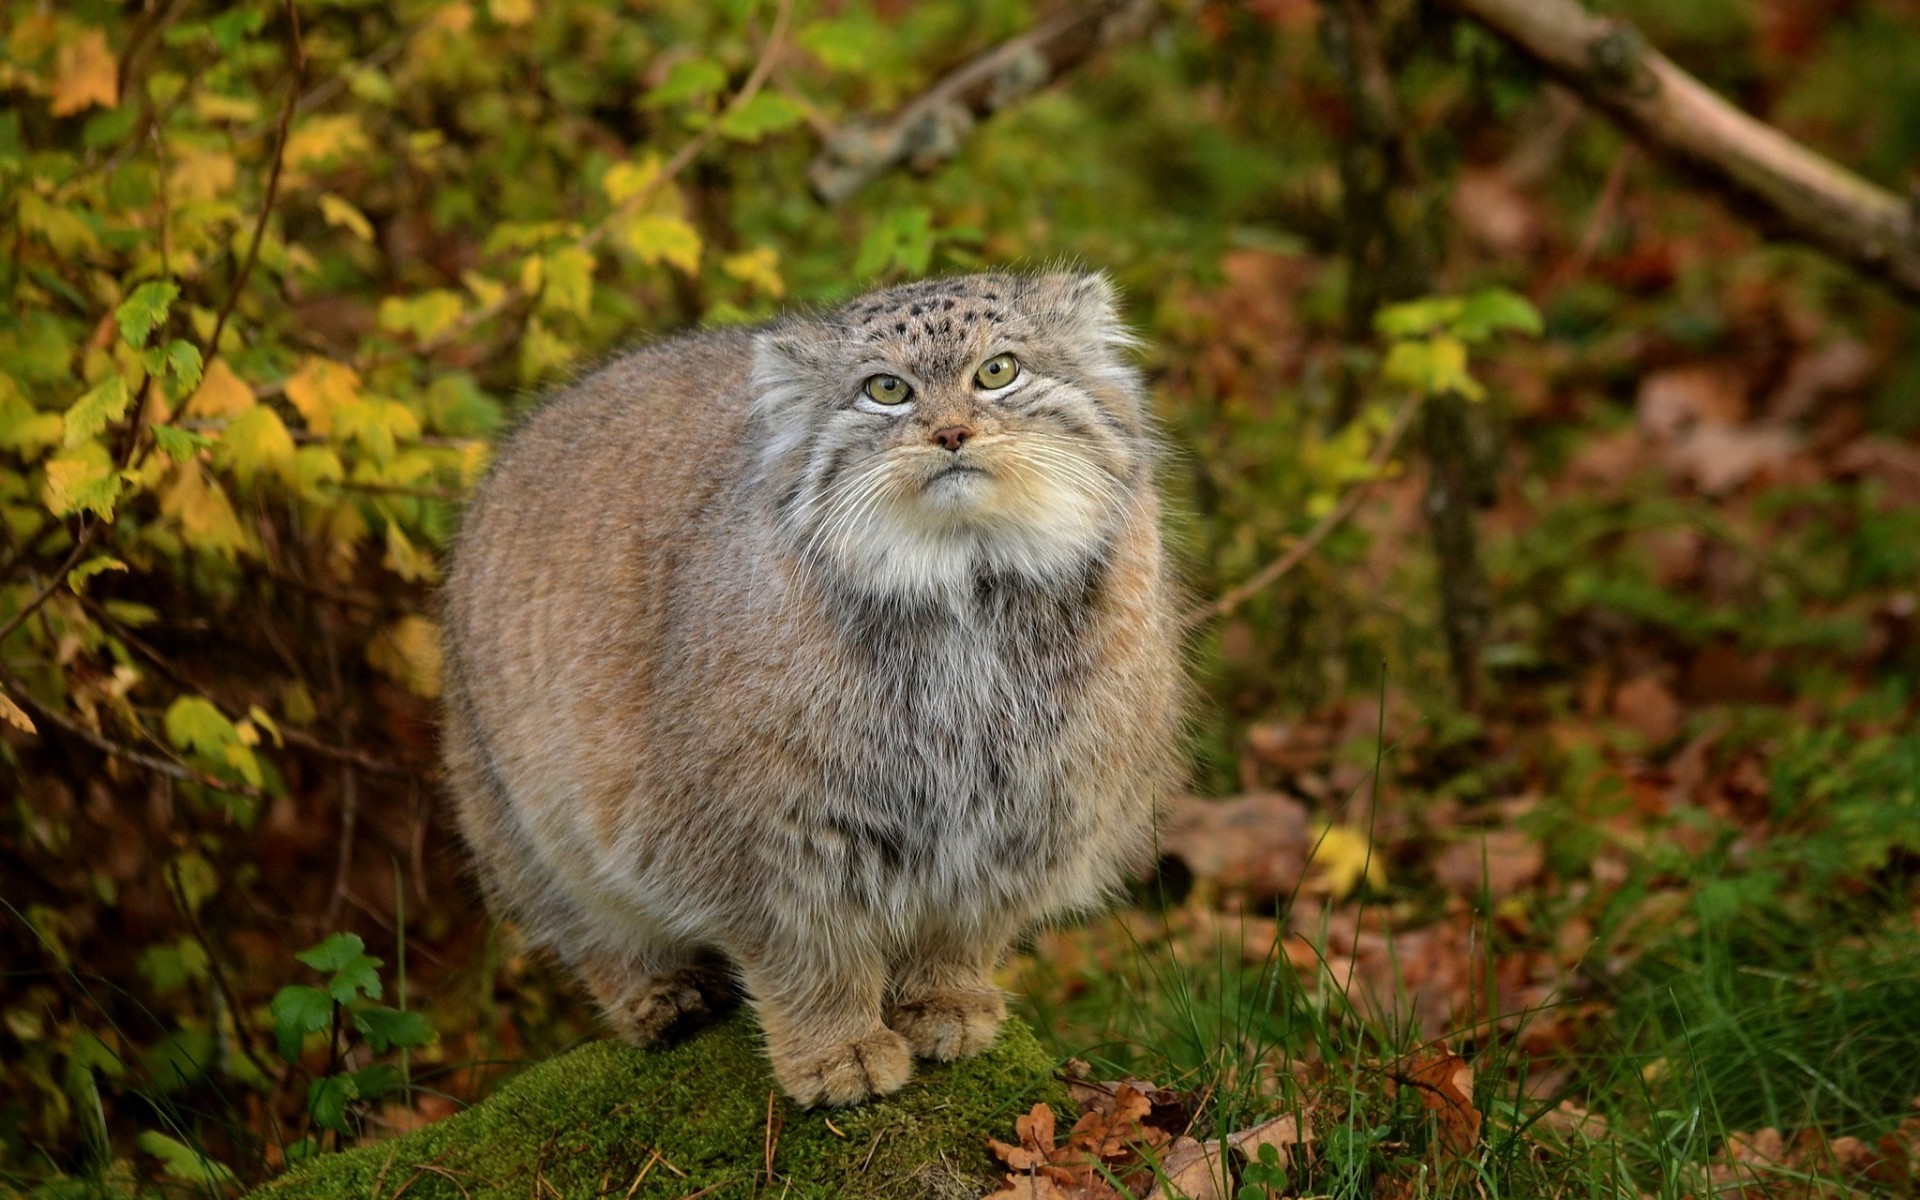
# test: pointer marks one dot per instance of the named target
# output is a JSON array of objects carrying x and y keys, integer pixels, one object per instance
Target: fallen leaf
[
  {"x": 1191, "y": 1170},
  {"x": 1444, "y": 1083},
  {"x": 1259, "y": 843},
  {"x": 1645, "y": 706},
  {"x": 1498, "y": 862}
]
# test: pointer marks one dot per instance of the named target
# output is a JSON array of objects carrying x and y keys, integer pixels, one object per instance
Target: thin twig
[
  {"x": 1297, "y": 553},
  {"x": 80, "y": 544},
  {"x": 120, "y": 750}
]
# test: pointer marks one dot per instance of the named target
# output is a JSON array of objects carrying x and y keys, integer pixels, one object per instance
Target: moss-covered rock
[{"x": 695, "y": 1116}]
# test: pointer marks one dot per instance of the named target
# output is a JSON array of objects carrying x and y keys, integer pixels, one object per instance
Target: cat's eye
[
  {"x": 997, "y": 372},
  {"x": 887, "y": 389}
]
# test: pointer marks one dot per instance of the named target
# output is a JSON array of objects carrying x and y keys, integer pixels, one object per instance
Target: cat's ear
[
  {"x": 787, "y": 357},
  {"x": 1083, "y": 303}
]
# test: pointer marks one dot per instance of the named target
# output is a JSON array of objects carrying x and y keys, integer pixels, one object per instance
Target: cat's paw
[
  {"x": 874, "y": 1064},
  {"x": 949, "y": 1023},
  {"x": 657, "y": 1007}
]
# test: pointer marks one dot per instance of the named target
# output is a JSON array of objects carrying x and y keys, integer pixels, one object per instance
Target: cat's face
[{"x": 920, "y": 435}]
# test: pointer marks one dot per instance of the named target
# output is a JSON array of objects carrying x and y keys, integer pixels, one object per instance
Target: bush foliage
[{"x": 277, "y": 273}]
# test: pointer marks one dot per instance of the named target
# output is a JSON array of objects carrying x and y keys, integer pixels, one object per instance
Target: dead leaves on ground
[{"x": 1131, "y": 1140}]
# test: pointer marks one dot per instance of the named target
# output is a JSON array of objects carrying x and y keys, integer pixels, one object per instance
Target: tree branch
[
  {"x": 930, "y": 129},
  {"x": 1805, "y": 196}
]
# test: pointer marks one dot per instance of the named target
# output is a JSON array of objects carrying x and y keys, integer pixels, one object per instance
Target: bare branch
[
  {"x": 1804, "y": 195},
  {"x": 930, "y": 129}
]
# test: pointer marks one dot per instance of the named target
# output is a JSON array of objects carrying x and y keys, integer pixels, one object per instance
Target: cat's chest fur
[{"x": 953, "y": 736}]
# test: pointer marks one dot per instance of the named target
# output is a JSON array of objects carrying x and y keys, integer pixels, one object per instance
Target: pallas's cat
[{"x": 823, "y": 658}]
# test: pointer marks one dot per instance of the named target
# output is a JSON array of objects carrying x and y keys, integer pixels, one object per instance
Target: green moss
[{"x": 695, "y": 1116}]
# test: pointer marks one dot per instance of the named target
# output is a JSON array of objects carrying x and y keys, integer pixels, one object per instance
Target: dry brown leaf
[
  {"x": 1444, "y": 1082},
  {"x": 1192, "y": 1170},
  {"x": 1645, "y": 706},
  {"x": 1282, "y": 1133},
  {"x": 1498, "y": 862},
  {"x": 1259, "y": 842}
]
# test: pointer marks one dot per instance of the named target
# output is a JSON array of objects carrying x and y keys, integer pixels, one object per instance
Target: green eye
[
  {"x": 887, "y": 389},
  {"x": 997, "y": 372}
]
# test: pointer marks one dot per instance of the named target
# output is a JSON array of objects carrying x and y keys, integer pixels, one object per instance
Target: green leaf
[
  {"x": 687, "y": 79},
  {"x": 1488, "y": 312},
  {"x": 1417, "y": 318},
  {"x": 569, "y": 281},
  {"x": 764, "y": 113},
  {"x": 139, "y": 313},
  {"x": 94, "y": 411},
  {"x": 389, "y": 1027},
  {"x": 328, "y": 1098},
  {"x": 170, "y": 967},
  {"x": 455, "y": 405},
  {"x": 183, "y": 364},
  {"x": 183, "y": 1163},
  {"x": 77, "y": 578},
  {"x": 297, "y": 1011},
  {"x": 193, "y": 723},
  {"x": 850, "y": 42},
  {"x": 376, "y": 1081},
  {"x": 179, "y": 444},
  {"x": 426, "y": 316},
  {"x": 195, "y": 877},
  {"x": 354, "y": 970},
  {"x": 902, "y": 239}
]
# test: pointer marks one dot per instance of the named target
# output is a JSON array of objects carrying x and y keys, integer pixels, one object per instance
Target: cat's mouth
[{"x": 956, "y": 470}]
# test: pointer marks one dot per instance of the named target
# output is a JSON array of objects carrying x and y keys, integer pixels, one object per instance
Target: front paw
[
  {"x": 874, "y": 1064},
  {"x": 949, "y": 1023}
]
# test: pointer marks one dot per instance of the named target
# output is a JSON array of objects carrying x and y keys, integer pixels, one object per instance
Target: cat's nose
[{"x": 952, "y": 437}]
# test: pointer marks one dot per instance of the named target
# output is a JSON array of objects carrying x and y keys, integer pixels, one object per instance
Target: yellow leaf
[
  {"x": 757, "y": 268},
  {"x": 61, "y": 229},
  {"x": 658, "y": 238},
  {"x": 323, "y": 139},
  {"x": 319, "y": 387},
  {"x": 511, "y": 12},
  {"x": 341, "y": 214},
  {"x": 569, "y": 273},
  {"x": 259, "y": 717},
  {"x": 346, "y": 529},
  {"x": 82, "y": 477},
  {"x": 488, "y": 292},
  {"x": 206, "y": 516},
  {"x": 201, "y": 175},
  {"x": 1343, "y": 857},
  {"x": 84, "y": 74},
  {"x": 408, "y": 561},
  {"x": 256, "y": 441},
  {"x": 409, "y": 651},
  {"x": 14, "y": 715},
  {"x": 213, "y": 107},
  {"x": 221, "y": 393},
  {"x": 624, "y": 181},
  {"x": 315, "y": 470}
]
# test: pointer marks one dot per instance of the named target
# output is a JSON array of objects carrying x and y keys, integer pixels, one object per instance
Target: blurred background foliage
[{"x": 277, "y": 273}]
